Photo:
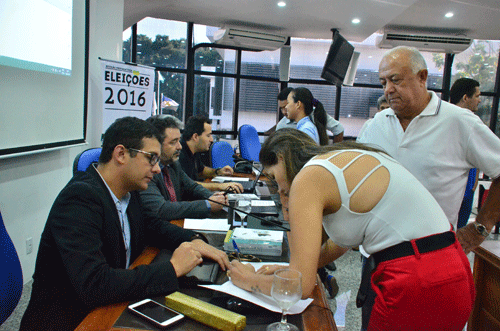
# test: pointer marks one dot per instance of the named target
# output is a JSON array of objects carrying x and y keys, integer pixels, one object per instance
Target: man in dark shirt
[
  {"x": 96, "y": 229},
  {"x": 172, "y": 194},
  {"x": 197, "y": 138}
]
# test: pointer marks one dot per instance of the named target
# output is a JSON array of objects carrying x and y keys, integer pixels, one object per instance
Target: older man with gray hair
[{"x": 436, "y": 141}]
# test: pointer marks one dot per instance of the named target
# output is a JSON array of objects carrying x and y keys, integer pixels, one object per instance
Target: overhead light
[
  {"x": 449, "y": 15},
  {"x": 355, "y": 21},
  {"x": 281, "y": 4}
]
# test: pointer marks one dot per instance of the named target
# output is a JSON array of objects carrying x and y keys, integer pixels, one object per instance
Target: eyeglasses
[{"x": 153, "y": 158}]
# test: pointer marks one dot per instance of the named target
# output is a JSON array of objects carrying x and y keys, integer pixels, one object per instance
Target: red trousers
[{"x": 431, "y": 291}]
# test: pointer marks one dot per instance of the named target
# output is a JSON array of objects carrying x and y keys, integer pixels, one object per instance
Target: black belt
[{"x": 424, "y": 245}]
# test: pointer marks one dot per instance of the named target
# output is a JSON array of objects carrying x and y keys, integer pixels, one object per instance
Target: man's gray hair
[
  {"x": 171, "y": 118},
  {"x": 380, "y": 101},
  {"x": 417, "y": 61}
]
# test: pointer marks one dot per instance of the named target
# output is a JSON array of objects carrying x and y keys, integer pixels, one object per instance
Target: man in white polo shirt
[{"x": 436, "y": 141}]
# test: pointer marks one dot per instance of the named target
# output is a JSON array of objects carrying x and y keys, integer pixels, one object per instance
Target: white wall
[{"x": 29, "y": 184}]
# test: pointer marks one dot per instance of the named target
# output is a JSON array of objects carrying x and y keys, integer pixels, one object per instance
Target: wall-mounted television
[{"x": 337, "y": 60}]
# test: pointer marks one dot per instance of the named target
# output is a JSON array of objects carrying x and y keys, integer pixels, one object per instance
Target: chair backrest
[
  {"x": 249, "y": 143},
  {"x": 221, "y": 154},
  {"x": 11, "y": 275},
  {"x": 85, "y": 159}
]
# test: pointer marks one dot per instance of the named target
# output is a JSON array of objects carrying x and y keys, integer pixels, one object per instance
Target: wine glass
[
  {"x": 243, "y": 206},
  {"x": 286, "y": 290},
  {"x": 257, "y": 166}
]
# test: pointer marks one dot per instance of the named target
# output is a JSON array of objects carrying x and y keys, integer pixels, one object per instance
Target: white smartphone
[{"x": 155, "y": 313}]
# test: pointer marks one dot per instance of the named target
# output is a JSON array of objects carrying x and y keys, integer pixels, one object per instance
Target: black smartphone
[{"x": 155, "y": 313}]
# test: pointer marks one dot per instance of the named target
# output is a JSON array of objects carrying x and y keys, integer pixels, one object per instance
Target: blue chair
[
  {"x": 466, "y": 207},
  {"x": 221, "y": 154},
  {"x": 85, "y": 159},
  {"x": 11, "y": 275},
  {"x": 249, "y": 143}
]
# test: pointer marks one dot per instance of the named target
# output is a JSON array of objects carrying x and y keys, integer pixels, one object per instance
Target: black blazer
[
  {"x": 81, "y": 259},
  {"x": 190, "y": 197}
]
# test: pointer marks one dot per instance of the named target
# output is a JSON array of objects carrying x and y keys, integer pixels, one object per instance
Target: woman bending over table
[{"x": 360, "y": 195}]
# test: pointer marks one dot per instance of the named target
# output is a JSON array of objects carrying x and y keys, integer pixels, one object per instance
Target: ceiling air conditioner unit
[
  {"x": 424, "y": 41},
  {"x": 260, "y": 41}
]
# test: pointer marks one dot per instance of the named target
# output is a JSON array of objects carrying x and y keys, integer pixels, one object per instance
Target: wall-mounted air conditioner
[
  {"x": 261, "y": 41},
  {"x": 424, "y": 41}
]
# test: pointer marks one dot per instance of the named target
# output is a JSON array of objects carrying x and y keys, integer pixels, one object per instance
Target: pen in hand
[{"x": 237, "y": 250}]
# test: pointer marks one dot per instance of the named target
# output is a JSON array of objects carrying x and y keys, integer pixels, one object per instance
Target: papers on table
[
  {"x": 208, "y": 224},
  {"x": 233, "y": 196},
  {"x": 259, "y": 299},
  {"x": 222, "y": 179},
  {"x": 263, "y": 203}
]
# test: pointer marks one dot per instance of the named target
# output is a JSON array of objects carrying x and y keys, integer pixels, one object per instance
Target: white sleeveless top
[{"x": 406, "y": 211}]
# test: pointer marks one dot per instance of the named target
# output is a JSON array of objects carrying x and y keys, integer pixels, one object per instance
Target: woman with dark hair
[
  {"x": 308, "y": 113},
  {"x": 352, "y": 194}
]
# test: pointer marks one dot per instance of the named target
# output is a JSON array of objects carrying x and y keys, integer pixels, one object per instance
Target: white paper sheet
[
  {"x": 208, "y": 224},
  {"x": 234, "y": 196},
  {"x": 259, "y": 299},
  {"x": 220, "y": 179},
  {"x": 263, "y": 203}
]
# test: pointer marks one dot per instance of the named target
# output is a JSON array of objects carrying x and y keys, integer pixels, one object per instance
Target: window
[
  {"x": 262, "y": 64},
  {"x": 484, "y": 109},
  {"x": 258, "y": 104},
  {"x": 478, "y": 62},
  {"x": 214, "y": 98},
  {"x": 357, "y": 104},
  {"x": 127, "y": 46},
  {"x": 161, "y": 43},
  {"x": 170, "y": 92}
]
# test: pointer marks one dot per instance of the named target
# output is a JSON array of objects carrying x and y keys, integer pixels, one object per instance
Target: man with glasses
[{"x": 96, "y": 229}]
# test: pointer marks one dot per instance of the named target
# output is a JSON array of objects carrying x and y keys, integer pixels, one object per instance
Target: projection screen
[{"x": 43, "y": 74}]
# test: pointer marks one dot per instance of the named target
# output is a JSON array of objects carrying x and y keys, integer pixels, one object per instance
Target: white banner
[{"x": 127, "y": 90}]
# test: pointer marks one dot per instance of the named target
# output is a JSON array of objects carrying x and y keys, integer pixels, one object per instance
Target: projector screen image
[
  {"x": 42, "y": 44},
  {"x": 43, "y": 69}
]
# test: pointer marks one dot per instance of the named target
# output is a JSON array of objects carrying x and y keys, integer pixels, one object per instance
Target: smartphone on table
[{"x": 158, "y": 314}]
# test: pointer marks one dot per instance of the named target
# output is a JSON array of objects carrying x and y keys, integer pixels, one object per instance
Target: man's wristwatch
[
  {"x": 199, "y": 236},
  {"x": 481, "y": 229}
]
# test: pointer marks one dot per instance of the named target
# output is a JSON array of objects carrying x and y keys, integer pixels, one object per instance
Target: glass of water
[
  {"x": 243, "y": 206},
  {"x": 286, "y": 290}
]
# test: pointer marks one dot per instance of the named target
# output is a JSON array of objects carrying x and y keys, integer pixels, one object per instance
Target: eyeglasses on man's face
[{"x": 153, "y": 157}]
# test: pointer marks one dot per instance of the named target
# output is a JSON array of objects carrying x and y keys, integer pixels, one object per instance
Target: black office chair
[
  {"x": 85, "y": 159},
  {"x": 221, "y": 154},
  {"x": 249, "y": 143},
  {"x": 11, "y": 275}
]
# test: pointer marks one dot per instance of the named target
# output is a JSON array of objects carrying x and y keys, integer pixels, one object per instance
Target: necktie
[{"x": 170, "y": 186}]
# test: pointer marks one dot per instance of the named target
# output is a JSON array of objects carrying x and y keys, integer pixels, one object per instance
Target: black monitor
[{"x": 337, "y": 60}]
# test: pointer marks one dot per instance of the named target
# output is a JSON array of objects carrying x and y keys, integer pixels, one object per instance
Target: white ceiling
[{"x": 477, "y": 19}]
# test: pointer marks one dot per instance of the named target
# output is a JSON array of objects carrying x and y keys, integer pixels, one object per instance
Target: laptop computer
[{"x": 248, "y": 186}]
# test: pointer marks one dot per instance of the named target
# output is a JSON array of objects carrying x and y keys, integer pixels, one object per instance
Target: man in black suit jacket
[
  {"x": 95, "y": 230},
  {"x": 188, "y": 200}
]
